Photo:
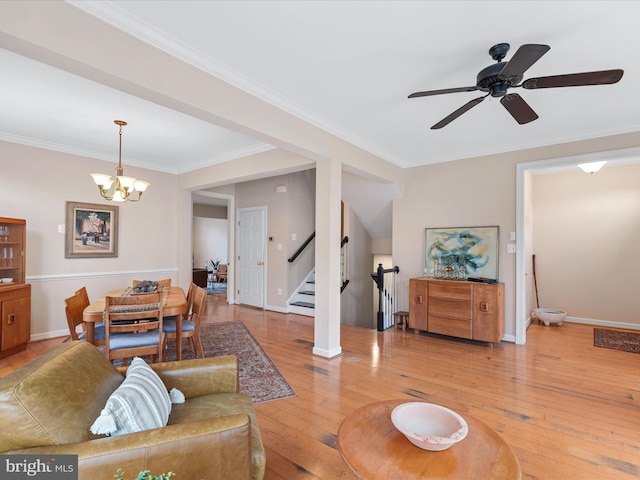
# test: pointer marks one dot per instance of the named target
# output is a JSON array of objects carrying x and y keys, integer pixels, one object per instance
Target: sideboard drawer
[
  {"x": 451, "y": 290},
  {"x": 454, "y": 327},
  {"x": 449, "y": 308}
]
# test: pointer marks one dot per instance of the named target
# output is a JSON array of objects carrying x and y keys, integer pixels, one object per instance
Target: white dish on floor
[
  {"x": 550, "y": 315},
  {"x": 429, "y": 426}
]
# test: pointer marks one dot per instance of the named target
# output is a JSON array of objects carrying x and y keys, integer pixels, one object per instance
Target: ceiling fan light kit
[{"x": 497, "y": 79}]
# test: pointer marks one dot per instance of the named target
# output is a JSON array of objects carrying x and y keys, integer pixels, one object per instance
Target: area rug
[
  {"x": 213, "y": 288},
  {"x": 616, "y": 339},
  {"x": 259, "y": 377}
]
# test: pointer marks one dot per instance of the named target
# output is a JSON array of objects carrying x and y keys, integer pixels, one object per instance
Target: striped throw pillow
[{"x": 141, "y": 402}]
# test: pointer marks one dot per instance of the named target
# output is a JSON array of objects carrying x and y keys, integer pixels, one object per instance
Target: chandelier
[{"x": 125, "y": 187}]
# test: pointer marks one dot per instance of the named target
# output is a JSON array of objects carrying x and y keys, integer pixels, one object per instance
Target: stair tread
[
  {"x": 307, "y": 292},
  {"x": 303, "y": 304}
]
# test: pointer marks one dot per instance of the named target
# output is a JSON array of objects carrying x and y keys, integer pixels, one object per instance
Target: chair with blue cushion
[
  {"x": 191, "y": 322},
  {"x": 133, "y": 326},
  {"x": 73, "y": 308}
]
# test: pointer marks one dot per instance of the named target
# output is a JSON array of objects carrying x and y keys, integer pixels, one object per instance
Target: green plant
[
  {"x": 145, "y": 475},
  {"x": 215, "y": 264}
]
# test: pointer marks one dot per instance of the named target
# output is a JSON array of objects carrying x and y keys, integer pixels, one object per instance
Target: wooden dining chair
[
  {"x": 85, "y": 296},
  {"x": 133, "y": 326},
  {"x": 190, "y": 293},
  {"x": 191, "y": 323},
  {"x": 73, "y": 308}
]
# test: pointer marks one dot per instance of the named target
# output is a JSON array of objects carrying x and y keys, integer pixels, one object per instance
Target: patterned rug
[
  {"x": 616, "y": 339},
  {"x": 259, "y": 377},
  {"x": 213, "y": 288}
]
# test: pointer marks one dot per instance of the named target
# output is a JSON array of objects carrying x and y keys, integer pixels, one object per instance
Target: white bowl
[
  {"x": 429, "y": 426},
  {"x": 549, "y": 315},
  {"x": 6, "y": 280}
]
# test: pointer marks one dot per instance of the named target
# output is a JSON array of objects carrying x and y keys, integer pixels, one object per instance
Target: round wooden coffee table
[{"x": 374, "y": 449}]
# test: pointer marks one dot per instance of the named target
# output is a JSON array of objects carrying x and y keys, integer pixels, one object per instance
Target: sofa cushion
[
  {"x": 220, "y": 405},
  {"x": 54, "y": 398},
  {"x": 141, "y": 402}
]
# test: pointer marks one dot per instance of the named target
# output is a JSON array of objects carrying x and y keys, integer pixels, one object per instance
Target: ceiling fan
[{"x": 496, "y": 79}]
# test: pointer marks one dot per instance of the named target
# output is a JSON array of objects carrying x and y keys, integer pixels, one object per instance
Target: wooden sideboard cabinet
[
  {"x": 15, "y": 294},
  {"x": 200, "y": 276},
  {"x": 15, "y": 312},
  {"x": 457, "y": 308}
]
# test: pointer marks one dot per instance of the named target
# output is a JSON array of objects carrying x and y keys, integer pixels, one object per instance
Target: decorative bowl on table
[{"x": 429, "y": 426}]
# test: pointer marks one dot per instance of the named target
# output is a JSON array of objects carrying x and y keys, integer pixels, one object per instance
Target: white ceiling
[{"x": 345, "y": 66}]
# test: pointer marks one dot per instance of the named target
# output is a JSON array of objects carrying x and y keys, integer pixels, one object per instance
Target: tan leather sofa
[{"x": 48, "y": 406}]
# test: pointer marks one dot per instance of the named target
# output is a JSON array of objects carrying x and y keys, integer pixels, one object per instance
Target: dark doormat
[{"x": 617, "y": 339}]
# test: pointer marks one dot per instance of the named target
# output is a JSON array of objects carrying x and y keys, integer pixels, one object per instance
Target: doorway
[
  {"x": 251, "y": 261},
  {"x": 524, "y": 224}
]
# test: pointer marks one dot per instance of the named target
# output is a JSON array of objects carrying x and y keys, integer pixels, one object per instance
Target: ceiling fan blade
[
  {"x": 465, "y": 108},
  {"x": 518, "y": 108},
  {"x": 440, "y": 92},
  {"x": 604, "y": 77},
  {"x": 522, "y": 60}
]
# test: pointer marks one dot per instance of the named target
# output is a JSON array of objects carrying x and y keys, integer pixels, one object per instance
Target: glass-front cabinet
[
  {"x": 12, "y": 254},
  {"x": 15, "y": 294}
]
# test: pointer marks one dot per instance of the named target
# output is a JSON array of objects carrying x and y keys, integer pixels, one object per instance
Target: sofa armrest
[
  {"x": 200, "y": 376},
  {"x": 213, "y": 449}
]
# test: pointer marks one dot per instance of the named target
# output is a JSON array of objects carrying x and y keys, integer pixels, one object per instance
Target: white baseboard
[
  {"x": 327, "y": 353},
  {"x": 603, "y": 323},
  {"x": 48, "y": 335}
]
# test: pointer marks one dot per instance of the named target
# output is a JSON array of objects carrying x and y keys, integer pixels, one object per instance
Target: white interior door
[{"x": 251, "y": 255}]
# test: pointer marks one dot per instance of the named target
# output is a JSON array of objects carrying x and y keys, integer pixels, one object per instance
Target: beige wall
[
  {"x": 585, "y": 238},
  {"x": 356, "y": 300},
  {"x": 35, "y": 185},
  {"x": 456, "y": 194},
  {"x": 289, "y": 213},
  {"x": 209, "y": 211},
  {"x": 481, "y": 191}
]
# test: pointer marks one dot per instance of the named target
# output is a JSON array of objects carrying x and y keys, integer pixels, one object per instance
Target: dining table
[{"x": 175, "y": 305}]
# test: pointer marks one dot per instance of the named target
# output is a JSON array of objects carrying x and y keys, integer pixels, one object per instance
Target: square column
[{"x": 327, "y": 275}]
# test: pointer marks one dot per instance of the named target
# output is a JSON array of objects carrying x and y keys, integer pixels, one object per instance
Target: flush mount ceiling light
[
  {"x": 125, "y": 187},
  {"x": 591, "y": 167}
]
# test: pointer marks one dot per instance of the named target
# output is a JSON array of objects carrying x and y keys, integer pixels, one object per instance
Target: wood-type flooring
[{"x": 568, "y": 409}]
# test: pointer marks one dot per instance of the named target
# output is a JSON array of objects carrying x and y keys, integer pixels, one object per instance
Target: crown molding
[{"x": 137, "y": 27}]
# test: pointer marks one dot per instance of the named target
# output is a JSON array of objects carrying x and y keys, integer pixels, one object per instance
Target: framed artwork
[
  {"x": 458, "y": 253},
  {"x": 91, "y": 230}
]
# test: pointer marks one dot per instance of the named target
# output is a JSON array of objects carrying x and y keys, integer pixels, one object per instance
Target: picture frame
[
  {"x": 91, "y": 230},
  {"x": 462, "y": 252}
]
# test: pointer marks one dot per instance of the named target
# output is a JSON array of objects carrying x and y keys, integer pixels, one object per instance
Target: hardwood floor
[{"x": 568, "y": 409}]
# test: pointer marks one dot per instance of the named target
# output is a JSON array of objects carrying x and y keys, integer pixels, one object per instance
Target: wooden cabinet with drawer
[
  {"x": 15, "y": 294},
  {"x": 15, "y": 315},
  {"x": 457, "y": 308}
]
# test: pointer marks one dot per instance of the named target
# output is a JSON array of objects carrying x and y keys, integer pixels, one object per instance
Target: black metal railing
[
  {"x": 344, "y": 258},
  {"x": 302, "y": 247},
  {"x": 385, "y": 280},
  {"x": 344, "y": 263}
]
